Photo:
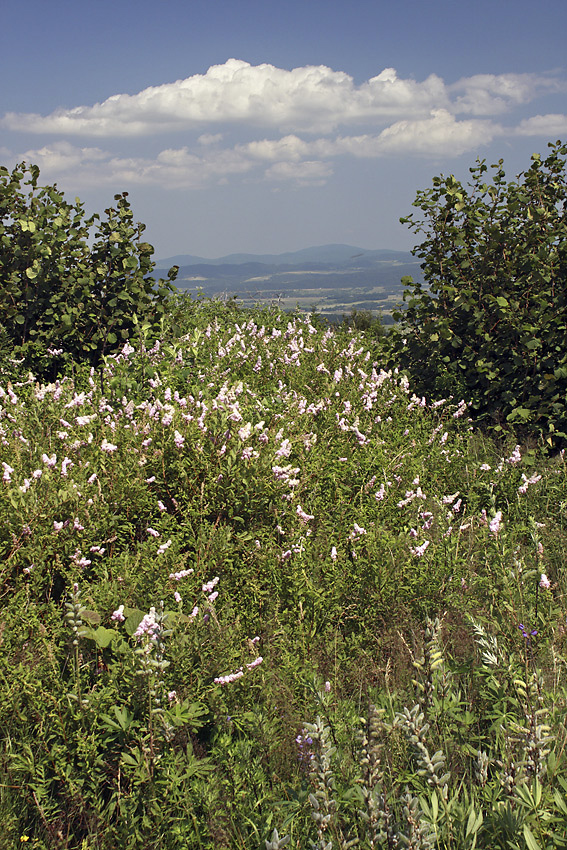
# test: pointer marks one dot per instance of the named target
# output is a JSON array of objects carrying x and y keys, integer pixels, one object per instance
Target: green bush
[
  {"x": 490, "y": 323},
  {"x": 58, "y": 292}
]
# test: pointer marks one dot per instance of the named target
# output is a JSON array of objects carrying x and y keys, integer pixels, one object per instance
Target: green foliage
[
  {"x": 268, "y": 509},
  {"x": 61, "y": 298},
  {"x": 490, "y": 323}
]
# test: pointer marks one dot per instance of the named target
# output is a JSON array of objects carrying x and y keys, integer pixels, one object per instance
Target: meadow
[{"x": 258, "y": 593}]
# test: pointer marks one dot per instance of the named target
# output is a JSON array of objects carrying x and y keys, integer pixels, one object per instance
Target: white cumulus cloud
[
  {"x": 311, "y": 99},
  {"x": 553, "y": 126}
]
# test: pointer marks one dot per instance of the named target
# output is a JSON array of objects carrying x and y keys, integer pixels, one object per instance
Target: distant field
[{"x": 367, "y": 280}]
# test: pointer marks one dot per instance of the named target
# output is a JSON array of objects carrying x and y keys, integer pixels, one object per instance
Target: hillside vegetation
[{"x": 257, "y": 591}]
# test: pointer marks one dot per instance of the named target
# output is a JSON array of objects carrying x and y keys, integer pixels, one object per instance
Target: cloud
[
  {"x": 310, "y": 173},
  {"x": 439, "y": 134},
  {"x": 311, "y": 99},
  {"x": 553, "y": 126},
  {"x": 494, "y": 94}
]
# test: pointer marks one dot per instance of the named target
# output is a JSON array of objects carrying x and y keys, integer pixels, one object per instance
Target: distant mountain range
[
  {"x": 334, "y": 279},
  {"x": 328, "y": 254}
]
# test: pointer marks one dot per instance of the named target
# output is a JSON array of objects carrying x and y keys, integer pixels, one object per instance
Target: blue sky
[{"x": 269, "y": 127}]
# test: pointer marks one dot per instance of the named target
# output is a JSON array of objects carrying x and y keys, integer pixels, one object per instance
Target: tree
[
  {"x": 59, "y": 293},
  {"x": 489, "y": 324}
]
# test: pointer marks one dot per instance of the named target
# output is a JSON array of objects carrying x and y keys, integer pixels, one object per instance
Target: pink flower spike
[
  {"x": 118, "y": 614},
  {"x": 544, "y": 582},
  {"x": 495, "y": 524}
]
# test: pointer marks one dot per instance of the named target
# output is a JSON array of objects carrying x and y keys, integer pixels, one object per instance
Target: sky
[{"x": 266, "y": 127}]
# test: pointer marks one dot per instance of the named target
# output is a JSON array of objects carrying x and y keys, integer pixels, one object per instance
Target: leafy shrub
[
  {"x": 490, "y": 324},
  {"x": 60, "y": 297}
]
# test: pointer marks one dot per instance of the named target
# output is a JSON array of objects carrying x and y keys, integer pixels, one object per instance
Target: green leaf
[
  {"x": 531, "y": 843},
  {"x": 133, "y": 620}
]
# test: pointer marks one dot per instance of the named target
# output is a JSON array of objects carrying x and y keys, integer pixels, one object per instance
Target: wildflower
[
  {"x": 181, "y": 574},
  {"x": 302, "y": 515},
  {"x": 327, "y": 687},
  {"x": 57, "y": 526},
  {"x": 7, "y": 472},
  {"x": 544, "y": 582},
  {"x": 495, "y": 524},
  {"x": 105, "y": 446},
  {"x": 228, "y": 679},
  {"x": 212, "y": 596},
  {"x": 419, "y": 551},
  {"x": 333, "y": 553},
  {"x": 161, "y": 506},
  {"x": 255, "y": 663},
  {"x": 515, "y": 457},
  {"x": 448, "y": 500},
  {"x": 152, "y": 532},
  {"x": 522, "y": 628},
  {"x": 485, "y": 467},
  {"x": 148, "y": 625},
  {"x": 177, "y": 596},
  {"x": 164, "y": 547},
  {"x": 178, "y": 439},
  {"x": 248, "y": 453},
  {"x": 304, "y": 743},
  {"x": 210, "y": 585},
  {"x": 284, "y": 450},
  {"x": 118, "y": 615},
  {"x": 171, "y": 696}
]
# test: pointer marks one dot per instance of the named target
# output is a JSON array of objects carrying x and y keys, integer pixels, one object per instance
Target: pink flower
[
  {"x": 544, "y": 582},
  {"x": 419, "y": 551},
  {"x": 181, "y": 574},
  {"x": 231, "y": 677},
  {"x": 302, "y": 515},
  {"x": 495, "y": 524},
  {"x": 118, "y": 614}
]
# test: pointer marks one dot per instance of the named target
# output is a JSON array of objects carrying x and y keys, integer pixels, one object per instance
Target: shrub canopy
[
  {"x": 63, "y": 288},
  {"x": 490, "y": 322}
]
